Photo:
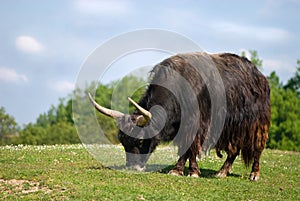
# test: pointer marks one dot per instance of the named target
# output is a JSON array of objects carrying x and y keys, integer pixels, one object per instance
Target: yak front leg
[
  {"x": 178, "y": 169},
  {"x": 194, "y": 170}
]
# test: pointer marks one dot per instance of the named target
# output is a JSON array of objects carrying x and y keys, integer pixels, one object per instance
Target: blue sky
[{"x": 44, "y": 43}]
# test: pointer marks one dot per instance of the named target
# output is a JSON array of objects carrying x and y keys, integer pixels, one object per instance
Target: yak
[{"x": 167, "y": 113}]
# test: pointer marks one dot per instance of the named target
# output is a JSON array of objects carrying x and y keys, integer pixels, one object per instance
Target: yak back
[{"x": 247, "y": 112}]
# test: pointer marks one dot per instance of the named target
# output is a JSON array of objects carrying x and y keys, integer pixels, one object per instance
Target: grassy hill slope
[{"x": 69, "y": 172}]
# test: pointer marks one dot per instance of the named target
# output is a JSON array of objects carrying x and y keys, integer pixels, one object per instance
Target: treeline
[
  {"x": 285, "y": 113},
  {"x": 57, "y": 125}
]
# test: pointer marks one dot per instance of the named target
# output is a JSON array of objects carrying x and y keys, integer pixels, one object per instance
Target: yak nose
[
  {"x": 136, "y": 167},
  {"x": 139, "y": 168}
]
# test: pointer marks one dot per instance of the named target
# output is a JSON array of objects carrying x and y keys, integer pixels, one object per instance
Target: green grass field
[{"x": 69, "y": 172}]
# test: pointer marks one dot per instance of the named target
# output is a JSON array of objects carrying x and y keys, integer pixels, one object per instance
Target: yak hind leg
[
  {"x": 178, "y": 169},
  {"x": 260, "y": 142},
  {"x": 254, "y": 175},
  {"x": 226, "y": 168}
]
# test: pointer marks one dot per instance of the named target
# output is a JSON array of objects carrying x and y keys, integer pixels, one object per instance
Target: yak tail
[
  {"x": 247, "y": 156},
  {"x": 255, "y": 143},
  {"x": 218, "y": 150}
]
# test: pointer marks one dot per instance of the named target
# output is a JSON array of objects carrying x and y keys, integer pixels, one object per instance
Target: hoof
[
  {"x": 139, "y": 168},
  {"x": 221, "y": 174},
  {"x": 254, "y": 176},
  {"x": 194, "y": 174},
  {"x": 175, "y": 173}
]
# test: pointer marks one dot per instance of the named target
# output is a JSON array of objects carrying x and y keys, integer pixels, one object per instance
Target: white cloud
[
  {"x": 266, "y": 34},
  {"x": 103, "y": 7},
  {"x": 10, "y": 75},
  {"x": 28, "y": 44},
  {"x": 63, "y": 86}
]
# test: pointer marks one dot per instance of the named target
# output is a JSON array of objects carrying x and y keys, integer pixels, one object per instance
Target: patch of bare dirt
[{"x": 14, "y": 186}]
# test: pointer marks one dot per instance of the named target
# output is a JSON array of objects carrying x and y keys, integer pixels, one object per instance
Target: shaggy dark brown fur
[{"x": 247, "y": 113}]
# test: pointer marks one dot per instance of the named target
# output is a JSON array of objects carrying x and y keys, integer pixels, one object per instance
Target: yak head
[{"x": 135, "y": 133}]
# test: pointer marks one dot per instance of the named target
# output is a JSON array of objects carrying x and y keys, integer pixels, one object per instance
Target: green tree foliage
[
  {"x": 8, "y": 127},
  {"x": 32, "y": 134},
  {"x": 57, "y": 126},
  {"x": 53, "y": 127},
  {"x": 294, "y": 83},
  {"x": 254, "y": 58},
  {"x": 285, "y": 116}
]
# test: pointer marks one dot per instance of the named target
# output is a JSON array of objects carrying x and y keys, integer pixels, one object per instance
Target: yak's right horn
[
  {"x": 146, "y": 115},
  {"x": 108, "y": 112}
]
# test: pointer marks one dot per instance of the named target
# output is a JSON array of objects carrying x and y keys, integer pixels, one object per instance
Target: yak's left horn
[
  {"x": 146, "y": 114},
  {"x": 108, "y": 112}
]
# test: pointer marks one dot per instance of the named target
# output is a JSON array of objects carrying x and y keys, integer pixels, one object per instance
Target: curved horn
[
  {"x": 147, "y": 115},
  {"x": 108, "y": 112}
]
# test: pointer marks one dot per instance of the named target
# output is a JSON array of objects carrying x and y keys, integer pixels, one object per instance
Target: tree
[
  {"x": 285, "y": 116},
  {"x": 56, "y": 126},
  {"x": 294, "y": 82},
  {"x": 8, "y": 127},
  {"x": 254, "y": 58},
  {"x": 52, "y": 127},
  {"x": 61, "y": 132},
  {"x": 32, "y": 134}
]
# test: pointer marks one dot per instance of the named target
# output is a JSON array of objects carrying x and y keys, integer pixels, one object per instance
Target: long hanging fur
[{"x": 247, "y": 91}]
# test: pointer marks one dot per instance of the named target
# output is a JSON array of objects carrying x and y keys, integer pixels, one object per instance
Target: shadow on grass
[{"x": 205, "y": 173}]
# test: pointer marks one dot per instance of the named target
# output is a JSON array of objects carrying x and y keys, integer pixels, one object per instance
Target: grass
[{"x": 69, "y": 172}]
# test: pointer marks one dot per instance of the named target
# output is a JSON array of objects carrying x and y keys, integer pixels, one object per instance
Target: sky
[{"x": 43, "y": 44}]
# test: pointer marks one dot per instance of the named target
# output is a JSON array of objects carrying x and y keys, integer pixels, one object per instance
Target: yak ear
[{"x": 141, "y": 121}]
